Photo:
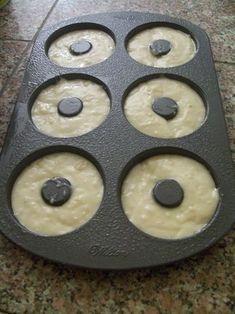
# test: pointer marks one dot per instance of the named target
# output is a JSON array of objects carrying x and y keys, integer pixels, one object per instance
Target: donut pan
[{"x": 109, "y": 241}]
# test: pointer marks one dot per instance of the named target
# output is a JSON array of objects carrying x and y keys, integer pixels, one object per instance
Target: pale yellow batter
[
  {"x": 39, "y": 217},
  {"x": 197, "y": 208},
  {"x": 102, "y": 47},
  {"x": 138, "y": 108},
  {"x": 96, "y": 106},
  {"x": 182, "y": 50}
]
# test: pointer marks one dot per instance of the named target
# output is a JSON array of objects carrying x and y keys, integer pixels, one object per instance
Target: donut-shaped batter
[
  {"x": 95, "y": 46},
  {"x": 95, "y": 108},
  {"x": 180, "y": 47},
  {"x": 140, "y": 113},
  {"x": 42, "y": 218},
  {"x": 189, "y": 217}
]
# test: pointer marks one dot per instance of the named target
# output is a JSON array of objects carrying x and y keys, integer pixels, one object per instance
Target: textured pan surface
[{"x": 109, "y": 240}]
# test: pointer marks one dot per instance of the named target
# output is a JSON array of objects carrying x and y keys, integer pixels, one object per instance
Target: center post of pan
[
  {"x": 160, "y": 47},
  {"x": 56, "y": 191},
  {"x": 80, "y": 47},
  {"x": 168, "y": 193},
  {"x": 165, "y": 107},
  {"x": 70, "y": 107}
]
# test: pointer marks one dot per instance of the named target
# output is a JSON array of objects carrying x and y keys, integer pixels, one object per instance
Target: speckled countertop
[{"x": 201, "y": 284}]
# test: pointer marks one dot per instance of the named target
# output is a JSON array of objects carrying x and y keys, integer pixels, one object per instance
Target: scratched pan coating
[{"x": 109, "y": 241}]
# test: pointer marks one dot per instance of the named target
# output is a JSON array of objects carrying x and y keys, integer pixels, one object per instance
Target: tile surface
[
  {"x": 226, "y": 78},
  {"x": 20, "y": 19},
  {"x": 9, "y": 96},
  {"x": 10, "y": 54},
  {"x": 201, "y": 284}
]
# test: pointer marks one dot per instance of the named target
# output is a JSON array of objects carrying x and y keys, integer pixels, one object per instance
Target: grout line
[
  {"x": 14, "y": 70},
  {"x": 14, "y": 39},
  {"x": 224, "y": 62},
  {"x": 45, "y": 19},
  {"x": 27, "y": 47}
]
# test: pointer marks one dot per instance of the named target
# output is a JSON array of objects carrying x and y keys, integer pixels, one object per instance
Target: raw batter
[
  {"x": 139, "y": 112},
  {"x": 102, "y": 47},
  {"x": 197, "y": 208},
  {"x": 96, "y": 105},
  {"x": 182, "y": 49},
  {"x": 39, "y": 217}
]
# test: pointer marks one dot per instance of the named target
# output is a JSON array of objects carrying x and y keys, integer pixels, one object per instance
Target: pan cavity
[
  {"x": 70, "y": 108},
  {"x": 164, "y": 108},
  {"x": 57, "y": 194},
  {"x": 81, "y": 48},
  {"x": 169, "y": 196},
  {"x": 161, "y": 47}
]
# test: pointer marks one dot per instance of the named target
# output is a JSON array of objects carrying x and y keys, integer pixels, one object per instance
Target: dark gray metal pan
[{"x": 109, "y": 240}]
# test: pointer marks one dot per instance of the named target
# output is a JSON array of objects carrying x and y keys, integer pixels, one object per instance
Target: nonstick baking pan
[{"x": 109, "y": 241}]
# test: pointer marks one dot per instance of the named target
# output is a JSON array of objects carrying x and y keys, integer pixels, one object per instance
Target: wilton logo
[{"x": 98, "y": 250}]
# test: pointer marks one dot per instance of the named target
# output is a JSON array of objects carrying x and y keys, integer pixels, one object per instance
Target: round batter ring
[
  {"x": 36, "y": 215},
  {"x": 183, "y": 48},
  {"x": 96, "y": 106},
  {"x": 199, "y": 204},
  {"x": 138, "y": 108},
  {"x": 102, "y": 47}
]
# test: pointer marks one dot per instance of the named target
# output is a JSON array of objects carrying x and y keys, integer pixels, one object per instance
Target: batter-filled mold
[
  {"x": 57, "y": 194},
  {"x": 169, "y": 196},
  {"x": 70, "y": 107},
  {"x": 165, "y": 108},
  {"x": 162, "y": 47},
  {"x": 81, "y": 48}
]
